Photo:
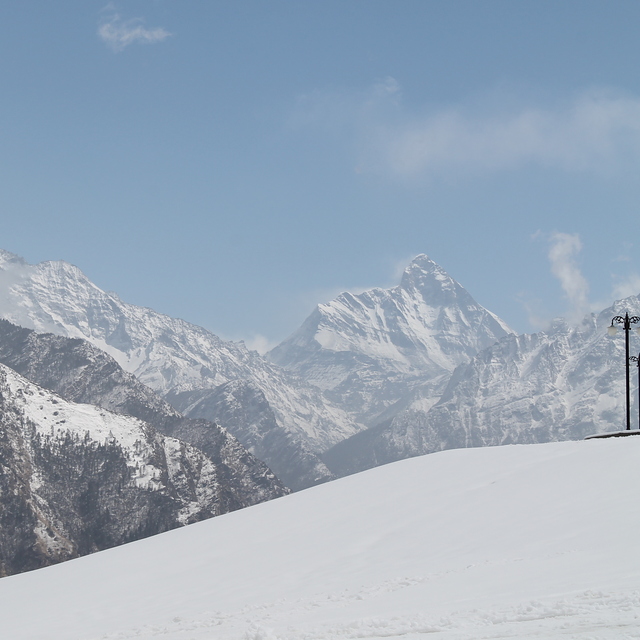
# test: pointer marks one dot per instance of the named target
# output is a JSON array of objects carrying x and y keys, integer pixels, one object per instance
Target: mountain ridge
[
  {"x": 88, "y": 460},
  {"x": 368, "y": 350},
  {"x": 172, "y": 355},
  {"x": 563, "y": 383},
  {"x": 81, "y": 373}
]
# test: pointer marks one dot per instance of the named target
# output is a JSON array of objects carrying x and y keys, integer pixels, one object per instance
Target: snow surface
[{"x": 529, "y": 541}]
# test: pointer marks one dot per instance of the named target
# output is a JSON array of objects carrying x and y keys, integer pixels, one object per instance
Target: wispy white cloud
[
  {"x": 563, "y": 252},
  {"x": 118, "y": 34},
  {"x": 343, "y": 111},
  {"x": 590, "y": 133},
  {"x": 260, "y": 343},
  {"x": 595, "y": 131},
  {"x": 564, "y": 249}
]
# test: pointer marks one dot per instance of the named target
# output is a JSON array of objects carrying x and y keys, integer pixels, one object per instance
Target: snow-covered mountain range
[
  {"x": 355, "y": 362},
  {"x": 174, "y": 357},
  {"x": 367, "y": 379},
  {"x": 560, "y": 384},
  {"x": 526, "y": 541}
]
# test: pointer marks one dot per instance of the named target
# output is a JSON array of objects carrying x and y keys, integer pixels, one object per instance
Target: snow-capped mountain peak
[
  {"x": 6, "y": 258},
  {"x": 423, "y": 273},
  {"x": 365, "y": 350}
]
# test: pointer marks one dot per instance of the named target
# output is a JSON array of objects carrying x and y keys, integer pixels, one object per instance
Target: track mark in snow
[{"x": 588, "y": 616}]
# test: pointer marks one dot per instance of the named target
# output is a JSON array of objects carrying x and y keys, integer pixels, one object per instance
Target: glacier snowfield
[{"x": 521, "y": 541}]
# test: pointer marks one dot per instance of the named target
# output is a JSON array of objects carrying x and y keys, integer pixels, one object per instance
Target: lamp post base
[{"x": 614, "y": 434}]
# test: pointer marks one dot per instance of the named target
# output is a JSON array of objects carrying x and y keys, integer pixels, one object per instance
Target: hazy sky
[{"x": 236, "y": 162}]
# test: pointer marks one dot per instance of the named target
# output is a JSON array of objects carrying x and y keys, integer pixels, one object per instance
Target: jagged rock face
[
  {"x": 370, "y": 350},
  {"x": 169, "y": 355},
  {"x": 80, "y": 372},
  {"x": 242, "y": 406},
  {"x": 77, "y": 478},
  {"x": 560, "y": 384}
]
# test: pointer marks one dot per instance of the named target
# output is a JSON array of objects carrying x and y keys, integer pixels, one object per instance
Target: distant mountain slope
[
  {"x": 370, "y": 350},
  {"x": 529, "y": 542},
  {"x": 560, "y": 384},
  {"x": 242, "y": 406},
  {"x": 80, "y": 372},
  {"x": 172, "y": 356},
  {"x": 75, "y": 478}
]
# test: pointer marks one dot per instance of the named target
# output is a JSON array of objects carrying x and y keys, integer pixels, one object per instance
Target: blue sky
[{"x": 234, "y": 163}]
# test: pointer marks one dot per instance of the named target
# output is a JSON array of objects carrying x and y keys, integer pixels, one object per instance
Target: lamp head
[{"x": 612, "y": 330}]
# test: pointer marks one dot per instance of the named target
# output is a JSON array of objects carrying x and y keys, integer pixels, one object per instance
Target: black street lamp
[
  {"x": 636, "y": 359},
  {"x": 626, "y": 322}
]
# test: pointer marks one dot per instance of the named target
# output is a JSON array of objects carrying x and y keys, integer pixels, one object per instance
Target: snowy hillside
[
  {"x": 370, "y": 350},
  {"x": 173, "y": 356},
  {"x": 535, "y": 541}
]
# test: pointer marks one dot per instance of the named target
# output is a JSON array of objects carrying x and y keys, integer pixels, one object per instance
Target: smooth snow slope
[{"x": 529, "y": 541}]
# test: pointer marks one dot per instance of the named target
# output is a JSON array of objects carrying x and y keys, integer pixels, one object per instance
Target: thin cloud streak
[
  {"x": 118, "y": 34},
  {"x": 564, "y": 249},
  {"x": 563, "y": 252},
  {"x": 595, "y": 132},
  {"x": 592, "y": 133}
]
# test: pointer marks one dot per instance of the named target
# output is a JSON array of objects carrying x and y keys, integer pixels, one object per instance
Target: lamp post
[
  {"x": 626, "y": 323},
  {"x": 636, "y": 359}
]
